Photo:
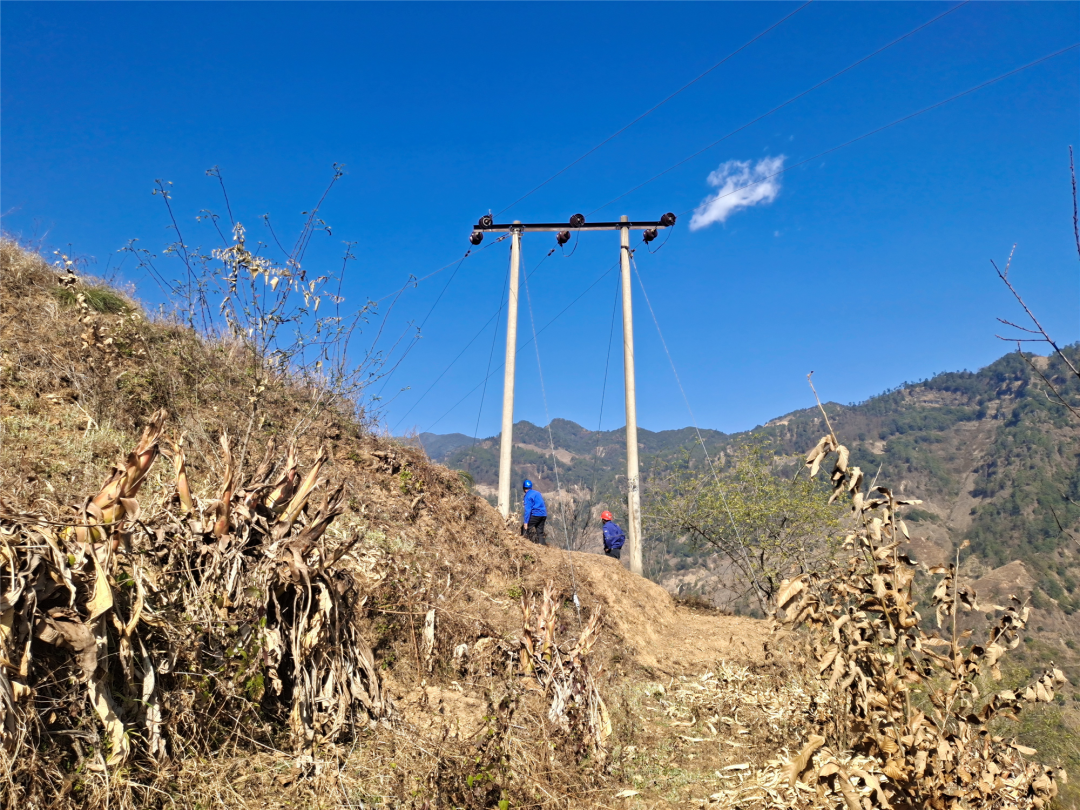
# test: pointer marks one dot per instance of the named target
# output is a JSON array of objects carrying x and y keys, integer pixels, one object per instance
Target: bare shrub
[
  {"x": 574, "y": 519},
  {"x": 289, "y": 320},
  {"x": 907, "y": 725},
  {"x": 562, "y": 675}
]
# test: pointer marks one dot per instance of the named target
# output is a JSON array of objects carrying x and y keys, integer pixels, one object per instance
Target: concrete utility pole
[
  {"x": 633, "y": 498},
  {"x": 577, "y": 223},
  {"x": 506, "y": 444}
]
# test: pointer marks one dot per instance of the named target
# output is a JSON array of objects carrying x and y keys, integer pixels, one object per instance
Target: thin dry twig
[{"x": 1043, "y": 337}]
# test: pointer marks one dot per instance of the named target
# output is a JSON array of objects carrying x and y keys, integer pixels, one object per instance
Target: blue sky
[{"x": 869, "y": 266}]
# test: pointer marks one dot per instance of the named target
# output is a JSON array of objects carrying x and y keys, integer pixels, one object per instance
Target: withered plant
[
  {"x": 231, "y": 619},
  {"x": 908, "y": 726},
  {"x": 561, "y": 674},
  {"x": 286, "y": 323}
]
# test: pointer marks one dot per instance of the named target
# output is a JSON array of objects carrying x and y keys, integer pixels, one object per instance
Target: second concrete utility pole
[
  {"x": 633, "y": 484},
  {"x": 506, "y": 444}
]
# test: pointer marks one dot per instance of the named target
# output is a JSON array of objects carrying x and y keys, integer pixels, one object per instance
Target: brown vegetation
[
  {"x": 907, "y": 700},
  {"x": 341, "y": 623}
]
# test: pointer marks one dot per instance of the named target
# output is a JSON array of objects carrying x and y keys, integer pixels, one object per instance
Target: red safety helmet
[{"x": 606, "y": 516}]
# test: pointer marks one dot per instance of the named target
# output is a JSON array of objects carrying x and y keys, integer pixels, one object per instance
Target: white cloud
[{"x": 738, "y": 185}]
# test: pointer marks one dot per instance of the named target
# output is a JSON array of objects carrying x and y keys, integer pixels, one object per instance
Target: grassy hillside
[
  {"x": 177, "y": 662},
  {"x": 220, "y": 594}
]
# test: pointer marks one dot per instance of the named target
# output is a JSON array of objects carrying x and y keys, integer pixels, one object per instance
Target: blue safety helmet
[{"x": 526, "y": 484}]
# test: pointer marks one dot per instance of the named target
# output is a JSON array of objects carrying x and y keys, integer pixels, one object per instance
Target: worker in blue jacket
[
  {"x": 614, "y": 537},
  {"x": 535, "y": 513}
]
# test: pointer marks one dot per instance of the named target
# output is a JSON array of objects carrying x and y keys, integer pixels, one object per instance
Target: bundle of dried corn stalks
[
  {"x": 184, "y": 625},
  {"x": 563, "y": 674},
  {"x": 910, "y": 728}
]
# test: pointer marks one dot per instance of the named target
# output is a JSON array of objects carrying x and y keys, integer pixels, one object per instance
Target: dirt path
[{"x": 664, "y": 635}]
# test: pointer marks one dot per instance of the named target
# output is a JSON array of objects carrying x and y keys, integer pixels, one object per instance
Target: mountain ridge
[{"x": 991, "y": 453}]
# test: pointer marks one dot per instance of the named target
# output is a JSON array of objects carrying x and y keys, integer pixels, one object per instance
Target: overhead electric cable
[
  {"x": 893, "y": 123},
  {"x": 449, "y": 366},
  {"x": 491, "y": 355},
  {"x": 417, "y": 281},
  {"x": 603, "y": 388},
  {"x": 657, "y": 106},
  {"x": 540, "y": 331},
  {"x": 551, "y": 444},
  {"x": 693, "y": 421},
  {"x": 781, "y": 106},
  {"x": 420, "y": 328},
  {"x": 458, "y": 356}
]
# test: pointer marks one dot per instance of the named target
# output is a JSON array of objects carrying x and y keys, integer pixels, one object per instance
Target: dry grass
[
  {"x": 208, "y": 630},
  {"x": 907, "y": 725},
  {"x": 199, "y": 642}
]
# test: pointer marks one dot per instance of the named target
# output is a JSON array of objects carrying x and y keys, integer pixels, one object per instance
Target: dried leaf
[
  {"x": 102, "y": 600},
  {"x": 798, "y": 766},
  {"x": 119, "y": 747},
  {"x": 789, "y": 589}
]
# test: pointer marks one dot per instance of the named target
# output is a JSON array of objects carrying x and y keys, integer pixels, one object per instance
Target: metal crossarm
[
  {"x": 577, "y": 223},
  {"x": 528, "y": 227}
]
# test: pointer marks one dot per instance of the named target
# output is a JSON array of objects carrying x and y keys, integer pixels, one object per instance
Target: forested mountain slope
[{"x": 993, "y": 454}]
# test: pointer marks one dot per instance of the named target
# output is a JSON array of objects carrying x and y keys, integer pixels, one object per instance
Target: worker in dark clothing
[
  {"x": 614, "y": 537},
  {"x": 535, "y": 513}
]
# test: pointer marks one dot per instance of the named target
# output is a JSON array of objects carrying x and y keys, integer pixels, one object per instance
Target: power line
[
  {"x": 458, "y": 356},
  {"x": 551, "y": 444},
  {"x": 449, "y": 366},
  {"x": 781, "y": 106},
  {"x": 599, "y": 278},
  {"x": 417, "y": 281},
  {"x": 420, "y": 328},
  {"x": 603, "y": 388},
  {"x": 491, "y": 356},
  {"x": 775, "y": 174},
  {"x": 657, "y": 106},
  {"x": 693, "y": 421},
  {"x": 894, "y": 123}
]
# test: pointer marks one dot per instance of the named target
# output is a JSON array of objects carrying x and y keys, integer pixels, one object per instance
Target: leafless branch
[
  {"x": 1076, "y": 221},
  {"x": 1004, "y": 276},
  {"x": 1018, "y": 326},
  {"x": 1049, "y": 384},
  {"x": 821, "y": 408}
]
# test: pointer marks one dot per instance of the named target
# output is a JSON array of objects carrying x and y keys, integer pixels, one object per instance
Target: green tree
[{"x": 769, "y": 527}]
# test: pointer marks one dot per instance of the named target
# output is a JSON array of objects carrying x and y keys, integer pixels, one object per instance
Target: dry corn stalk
[
  {"x": 909, "y": 695},
  {"x": 221, "y": 617},
  {"x": 183, "y": 488},
  {"x": 564, "y": 675},
  {"x": 104, "y": 514}
]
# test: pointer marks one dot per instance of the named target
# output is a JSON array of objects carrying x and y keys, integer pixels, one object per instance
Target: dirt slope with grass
[
  {"x": 430, "y": 579},
  {"x": 216, "y": 593}
]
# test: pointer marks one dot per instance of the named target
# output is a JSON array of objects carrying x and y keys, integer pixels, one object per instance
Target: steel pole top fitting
[{"x": 577, "y": 223}]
